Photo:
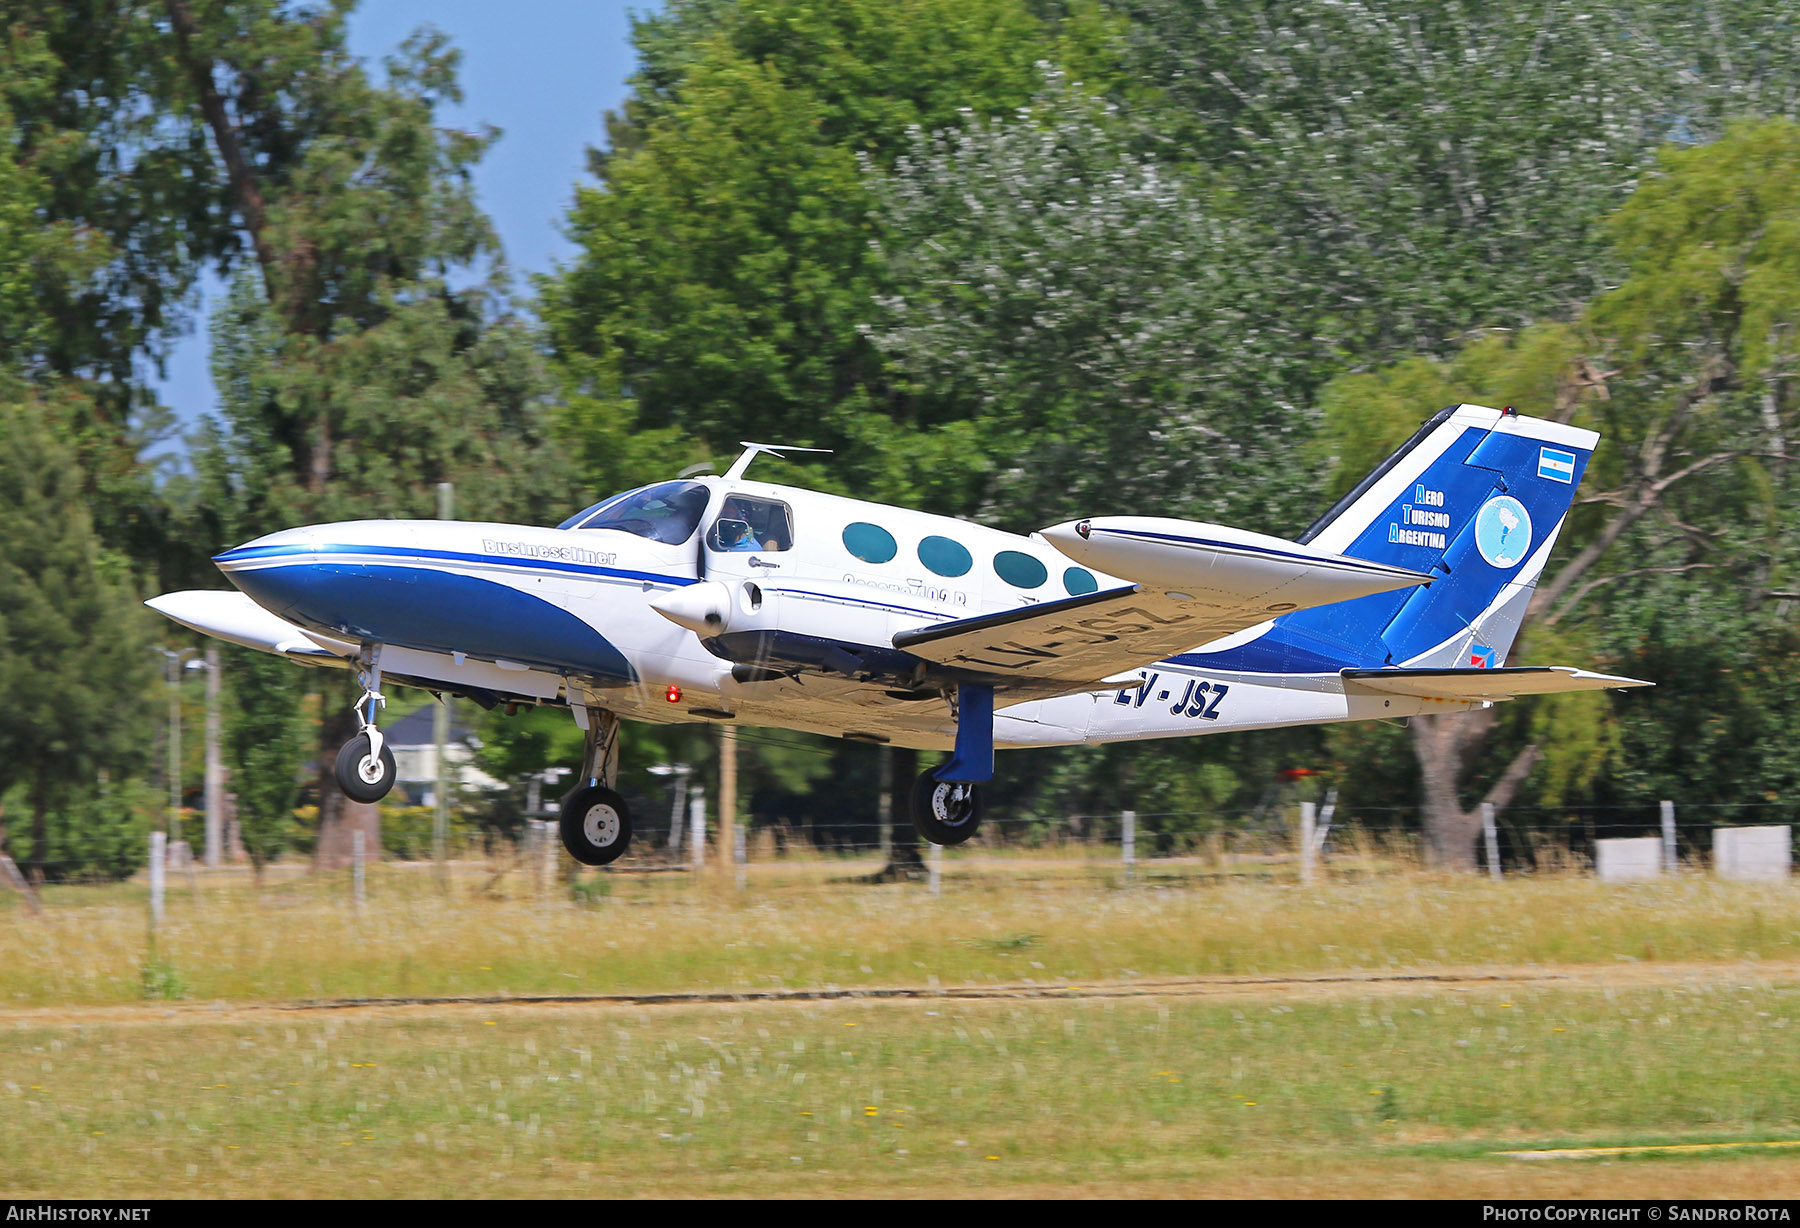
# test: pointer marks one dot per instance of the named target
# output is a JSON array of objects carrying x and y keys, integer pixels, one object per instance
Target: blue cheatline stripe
[
  {"x": 1361, "y": 565},
  {"x": 434, "y": 610},
  {"x": 1272, "y": 654},
  {"x": 245, "y": 554}
]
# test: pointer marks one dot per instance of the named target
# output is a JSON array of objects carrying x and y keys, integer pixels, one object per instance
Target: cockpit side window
[
  {"x": 747, "y": 524},
  {"x": 668, "y": 512}
]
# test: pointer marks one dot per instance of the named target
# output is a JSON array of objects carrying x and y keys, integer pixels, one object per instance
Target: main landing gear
[
  {"x": 365, "y": 765},
  {"x": 945, "y": 812},
  {"x": 596, "y": 824},
  {"x": 946, "y": 801}
]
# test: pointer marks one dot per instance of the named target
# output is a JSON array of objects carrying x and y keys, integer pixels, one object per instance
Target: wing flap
[
  {"x": 1485, "y": 684},
  {"x": 1064, "y": 644}
]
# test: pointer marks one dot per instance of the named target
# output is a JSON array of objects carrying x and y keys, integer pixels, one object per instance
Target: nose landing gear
[{"x": 365, "y": 766}]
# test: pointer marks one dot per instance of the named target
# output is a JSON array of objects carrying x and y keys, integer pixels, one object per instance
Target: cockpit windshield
[{"x": 668, "y": 512}]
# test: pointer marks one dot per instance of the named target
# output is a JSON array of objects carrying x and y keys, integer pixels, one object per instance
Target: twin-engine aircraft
[{"x": 726, "y": 599}]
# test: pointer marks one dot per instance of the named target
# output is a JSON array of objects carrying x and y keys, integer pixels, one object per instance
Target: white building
[{"x": 414, "y": 742}]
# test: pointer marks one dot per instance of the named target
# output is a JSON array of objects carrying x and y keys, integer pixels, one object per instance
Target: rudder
[{"x": 1476, "y": 497}]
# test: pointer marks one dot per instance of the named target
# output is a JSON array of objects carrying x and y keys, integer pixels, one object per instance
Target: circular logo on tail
[{"x": 1503, "y": 531}]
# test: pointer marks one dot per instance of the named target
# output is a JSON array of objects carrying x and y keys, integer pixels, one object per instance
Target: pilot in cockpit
[{"x": 733, "y": 529}]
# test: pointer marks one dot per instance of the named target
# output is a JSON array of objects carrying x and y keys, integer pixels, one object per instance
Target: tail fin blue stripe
[{"x": 1474, "y": 499}]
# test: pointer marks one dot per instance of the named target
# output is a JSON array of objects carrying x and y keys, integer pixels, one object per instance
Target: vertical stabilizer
[{"x": 1476, "y": 498}]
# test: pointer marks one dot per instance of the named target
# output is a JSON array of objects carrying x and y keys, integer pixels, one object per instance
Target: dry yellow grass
[
  {"x": 1660, "y": 1012},
  {"x": 805, "y": 927}
]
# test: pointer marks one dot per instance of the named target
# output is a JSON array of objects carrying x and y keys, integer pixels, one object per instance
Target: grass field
[{"x": 1376, "y": 1037}]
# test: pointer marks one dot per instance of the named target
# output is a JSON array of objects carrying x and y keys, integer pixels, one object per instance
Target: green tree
[
  {"x": 372, "y": 354},
  {"x": 1689, "y": 505},
  {"x": 1442, "y": 166},
  {"x": 75, "y": 661},
  {"x": 726, "y": 270},
  {"x": 1081, "y": 310},
  {"x": 266, "y": 741}
]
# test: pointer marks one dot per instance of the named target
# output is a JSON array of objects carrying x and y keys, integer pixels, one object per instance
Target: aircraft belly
[{"x": 1168, "y": 701}]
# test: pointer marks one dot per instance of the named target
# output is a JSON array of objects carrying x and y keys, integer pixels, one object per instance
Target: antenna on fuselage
[{"x": 754, "y": 450}]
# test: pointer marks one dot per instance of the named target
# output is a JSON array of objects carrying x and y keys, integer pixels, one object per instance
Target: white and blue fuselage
[{"x": 720, "y": 598}]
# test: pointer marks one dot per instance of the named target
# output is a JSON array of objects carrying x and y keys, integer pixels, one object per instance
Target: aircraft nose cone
[
  {"x": 268, "y": 546},
  {"x": 285, "y": 572}
]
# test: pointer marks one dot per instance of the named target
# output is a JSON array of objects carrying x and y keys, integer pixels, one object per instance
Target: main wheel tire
[
  {"x": 362, "y": 776},
  {"x": 596, "y": 825},
  {"x": 945, "y": 812}
]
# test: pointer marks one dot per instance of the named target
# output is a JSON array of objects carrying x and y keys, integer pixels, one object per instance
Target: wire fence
[
  {"x": 1294, "y": 835},
  {"x": 1290, "y": 839}
]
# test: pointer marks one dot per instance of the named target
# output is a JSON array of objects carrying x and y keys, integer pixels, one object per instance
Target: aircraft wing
[
  {"x": 1062, "y": 645},
  {"x": 1490, "y": 684}
]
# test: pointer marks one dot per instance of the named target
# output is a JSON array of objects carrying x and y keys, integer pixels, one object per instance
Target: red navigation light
[{"x": 673, "y": 695}]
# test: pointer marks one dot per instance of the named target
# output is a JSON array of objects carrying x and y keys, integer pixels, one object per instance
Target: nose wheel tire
[
  {"x": 945, "y": 812},
  {"x": 364, "y": 777},
  {"x": 596, "y": 825}
]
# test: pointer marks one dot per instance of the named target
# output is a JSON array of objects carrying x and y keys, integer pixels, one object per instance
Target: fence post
[
  {"x": 356, "y": 866},
  {"x": 934, "y": 868},
  {"x": 527, "y": 853},
  {"x": 678, "y": 812},
  {"x": 1307, "y": 814},
  {"x": 741, "y": 851},
  {"x": 1128, "y": 843},
  {"x": 1668, "y": 834},
  {"x": 158, "y": 842},
  {"x": 697, "y": 829},
  {"x": 884, "y": 806},
  {"x": 1322, "y": 828},
  {"x": 1493, "y": 840}
]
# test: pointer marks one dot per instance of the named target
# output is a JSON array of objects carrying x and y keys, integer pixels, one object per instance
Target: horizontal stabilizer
[
  {"x": 1467, "y": 685},
  {"x": 233, "y": 617}
]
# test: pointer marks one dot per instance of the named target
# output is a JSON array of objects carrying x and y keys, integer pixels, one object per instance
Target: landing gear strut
[
  {"x": 365, "y": 765},
  {"x": 596, "y": 824},
  {"x": 946, "y": 801}
]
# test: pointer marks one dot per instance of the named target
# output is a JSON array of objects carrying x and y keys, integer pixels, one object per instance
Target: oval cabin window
[
  {"x": 870, "y": 542},
  {"x": 945, "y": 557},
  {"x": 1079, "y": 580},
  {"x": 1020, "y": 570}
]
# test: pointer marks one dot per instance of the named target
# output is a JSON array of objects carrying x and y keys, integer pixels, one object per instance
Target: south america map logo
[{"x": 1503, "y": 531}]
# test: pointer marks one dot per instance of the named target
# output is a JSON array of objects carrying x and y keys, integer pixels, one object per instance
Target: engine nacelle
[
  {"x": 796, "y": 624},
  {"x": 703, "y": 609}
]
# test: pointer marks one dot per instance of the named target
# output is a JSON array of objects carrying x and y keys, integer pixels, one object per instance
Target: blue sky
[{"x": 542, "y": 71}]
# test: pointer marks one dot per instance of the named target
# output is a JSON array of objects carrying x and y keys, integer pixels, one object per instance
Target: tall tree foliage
[
  {"x": 265, "y": 745},
  {"x": 1083, "y": 311},
  {"x": 75, "y": 661},
  {"x": 726, "y": 270},
  {"x": 371, "y": 354},
  {"x": 1683, "y": 535},
  {"x": 1443, "y": 166}
]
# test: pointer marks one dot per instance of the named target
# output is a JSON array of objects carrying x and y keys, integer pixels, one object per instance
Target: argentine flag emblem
[{"x": 1557, "y": 465}]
